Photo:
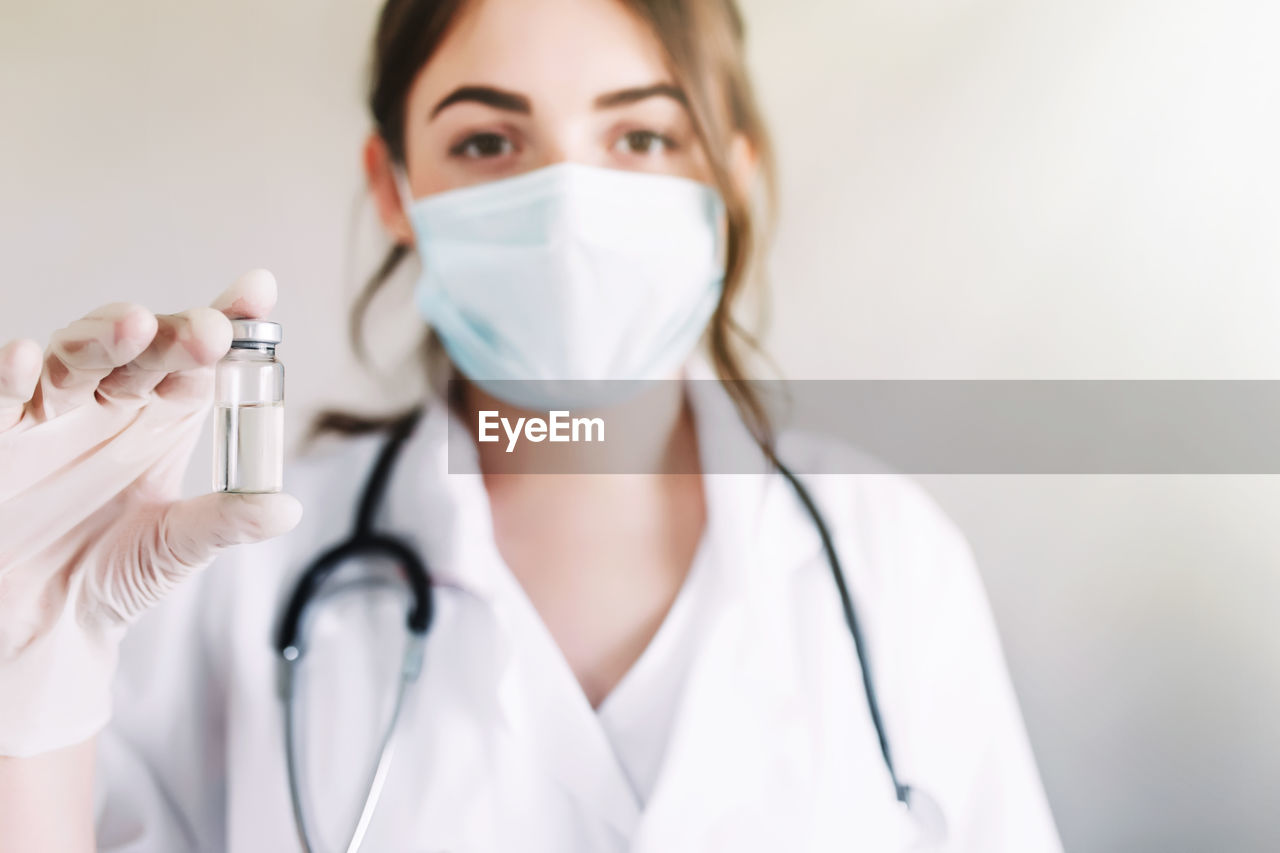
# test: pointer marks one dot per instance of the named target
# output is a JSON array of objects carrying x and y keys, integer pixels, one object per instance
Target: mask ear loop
[{"x": 401, "y": 180}]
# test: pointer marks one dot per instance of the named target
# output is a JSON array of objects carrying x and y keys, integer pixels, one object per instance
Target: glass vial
[{"x": 248, "y": 411}]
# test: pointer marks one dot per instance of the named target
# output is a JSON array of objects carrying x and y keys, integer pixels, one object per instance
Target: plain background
[{"x": 978, "y": 189}]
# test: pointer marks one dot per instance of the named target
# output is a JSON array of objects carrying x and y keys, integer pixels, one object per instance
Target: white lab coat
[{"x": 772, "y": 746}]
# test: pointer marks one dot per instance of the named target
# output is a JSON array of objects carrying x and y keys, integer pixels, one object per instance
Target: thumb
[
  {"x": 163, "y": 545},
  {"x": 193, "y": 531}
]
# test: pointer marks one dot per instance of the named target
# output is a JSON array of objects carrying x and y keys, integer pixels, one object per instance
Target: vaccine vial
[{"x": 248, "y": 410}]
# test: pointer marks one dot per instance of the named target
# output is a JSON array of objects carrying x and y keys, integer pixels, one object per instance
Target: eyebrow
[
  {"x": 630, "y": 96},
  {"x": 497, "y": 98},
  {"x": 517, "y": 103}
]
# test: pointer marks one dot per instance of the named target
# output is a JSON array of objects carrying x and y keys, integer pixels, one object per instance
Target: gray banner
[{"x": 908, "y": 426}]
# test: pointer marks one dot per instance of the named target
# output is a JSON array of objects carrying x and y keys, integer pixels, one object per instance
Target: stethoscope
[{"x": 364, "y": 541}]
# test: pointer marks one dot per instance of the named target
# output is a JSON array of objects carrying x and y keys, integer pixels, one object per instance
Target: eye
[
  {"x": 479, "y": 146},
  {"x": 644, "y": 142}
]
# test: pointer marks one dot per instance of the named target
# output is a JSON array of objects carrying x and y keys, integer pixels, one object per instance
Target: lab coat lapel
[
  {"x": 444, "y": 516},
  {"x": 525, "y": 685},
  {"x": 443, "y": 513},
  {"x": 551, "y": 717},
  {"x": 740, "y": 746}
]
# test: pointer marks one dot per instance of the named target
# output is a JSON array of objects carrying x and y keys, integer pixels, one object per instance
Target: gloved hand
[{"x": 94, "y": 442}]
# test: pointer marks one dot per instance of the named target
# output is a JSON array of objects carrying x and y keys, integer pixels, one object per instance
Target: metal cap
[{"x": 255, "y": 331}]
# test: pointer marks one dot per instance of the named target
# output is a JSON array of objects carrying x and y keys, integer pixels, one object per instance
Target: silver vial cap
[{"x": 255, "y": 332}]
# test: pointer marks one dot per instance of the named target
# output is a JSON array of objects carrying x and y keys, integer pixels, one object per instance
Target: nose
[
  {"x": 569, "y": 139},
  {"x": 559, "y": 148}
]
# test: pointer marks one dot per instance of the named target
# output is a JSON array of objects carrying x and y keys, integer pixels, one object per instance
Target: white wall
[
  {"x": 976, "y": 189},
  {"x": 1090, "y": 189}
]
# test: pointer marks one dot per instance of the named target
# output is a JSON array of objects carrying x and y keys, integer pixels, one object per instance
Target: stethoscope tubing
[{"x": 365, "y": 542}]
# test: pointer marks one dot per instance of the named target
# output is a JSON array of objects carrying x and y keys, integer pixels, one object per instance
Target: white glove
[{"x": 94, "y": 442}]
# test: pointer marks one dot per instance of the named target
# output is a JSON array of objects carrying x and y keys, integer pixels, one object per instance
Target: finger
[
  {"x": 252, "y": 296},
  {"x": 188, "y": 386},
  {"x": 184, "y": 341},
  {"x": 193, "y": 531},
  {"x": 81, "y": 354},
  {"x": 183, "y": 538},
  {"x": 19, "y": 372}
]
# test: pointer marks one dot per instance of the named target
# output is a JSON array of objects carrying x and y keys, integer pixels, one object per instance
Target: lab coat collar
[
  {"x": 753, "y": 512},
  {"x": 444, "y": 512},
  {"x": 439, "y": 506}
]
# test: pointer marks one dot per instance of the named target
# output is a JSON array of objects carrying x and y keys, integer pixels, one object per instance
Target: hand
[{"x": 95, "y": 438}]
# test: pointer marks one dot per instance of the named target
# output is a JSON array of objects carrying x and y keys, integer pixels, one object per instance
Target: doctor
[{"x": 615, "y": 663}]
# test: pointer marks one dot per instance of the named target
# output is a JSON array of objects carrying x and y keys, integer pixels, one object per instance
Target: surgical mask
[{"x": 569, "y": 272}]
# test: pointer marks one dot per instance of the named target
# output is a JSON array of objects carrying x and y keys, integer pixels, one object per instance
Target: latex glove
[{"x": 94, "y": 443}]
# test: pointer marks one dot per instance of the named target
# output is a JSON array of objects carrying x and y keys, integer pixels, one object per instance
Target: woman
[{"x": 615, "y": 662}]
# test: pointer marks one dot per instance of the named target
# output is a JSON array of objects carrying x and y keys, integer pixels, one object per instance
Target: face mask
[{"x": 569, "y": 272}]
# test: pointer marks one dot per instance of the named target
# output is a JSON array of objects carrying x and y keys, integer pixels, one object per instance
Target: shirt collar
[{"x": 757, "y": 522}]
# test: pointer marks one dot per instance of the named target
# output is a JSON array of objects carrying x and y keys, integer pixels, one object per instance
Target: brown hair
[{"x": 703, "y": 40}]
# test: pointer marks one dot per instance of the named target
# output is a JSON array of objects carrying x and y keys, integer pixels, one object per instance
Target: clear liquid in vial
[{"x": 249, "y": 448}]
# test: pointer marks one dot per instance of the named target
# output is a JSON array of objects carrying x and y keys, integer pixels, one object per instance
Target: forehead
[{"x": 555, "y": 51}]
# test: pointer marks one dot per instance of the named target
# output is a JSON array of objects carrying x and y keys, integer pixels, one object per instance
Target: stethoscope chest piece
[{"x": 926, "y": 816}]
